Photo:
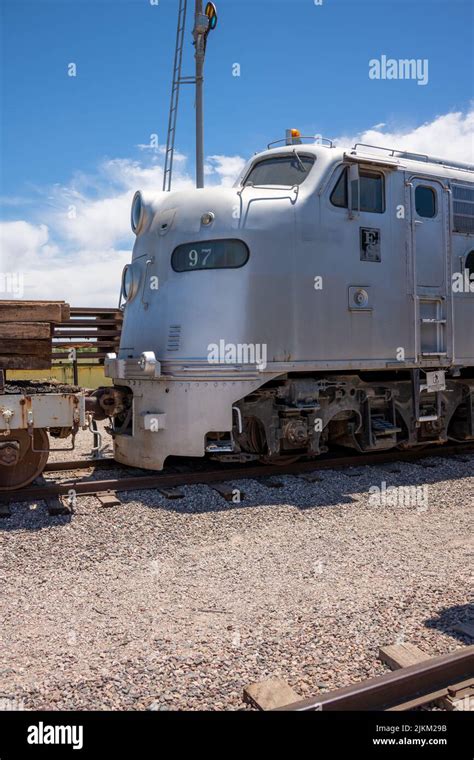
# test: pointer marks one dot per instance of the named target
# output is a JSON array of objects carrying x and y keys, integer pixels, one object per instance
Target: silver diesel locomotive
[{"x": 326, "y": 298}]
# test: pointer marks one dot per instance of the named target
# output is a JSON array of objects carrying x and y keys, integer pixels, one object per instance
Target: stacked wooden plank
[
  {"x": 94, "y": 332},
  {"x": 26, "y": 330}
]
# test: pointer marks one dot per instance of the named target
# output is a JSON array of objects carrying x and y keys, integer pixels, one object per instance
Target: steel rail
[
  {"x": 395, "y": 688},
  {"x": 169, "y": 479},
  {"x": 81, "y": 464},
  {"x": 325, "y": 461}
]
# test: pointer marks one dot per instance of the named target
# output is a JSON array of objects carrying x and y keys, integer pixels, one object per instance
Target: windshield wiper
[{"x": 302, "y": 166}]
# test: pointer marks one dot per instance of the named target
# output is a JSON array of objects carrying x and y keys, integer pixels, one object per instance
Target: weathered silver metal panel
[{"x": 191, "y": 409}]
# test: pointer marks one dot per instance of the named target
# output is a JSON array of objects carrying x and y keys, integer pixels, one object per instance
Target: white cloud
[
  {"x": 227, "y": 168},
  {"x": 20, "y": 242},
  {"x": 94, "y": 212},
  {"x": 447, "y": 136},
  {"x": 81, "y": 239},
  {"x": 83, "y": 279},
  {"x": 96, "y": 224}
]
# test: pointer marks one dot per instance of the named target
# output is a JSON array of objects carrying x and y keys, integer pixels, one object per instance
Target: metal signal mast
[{"x": 203, "y": 24}]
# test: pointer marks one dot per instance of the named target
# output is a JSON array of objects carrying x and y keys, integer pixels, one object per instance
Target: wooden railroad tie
[
  {"x": 59, "y": 505},
  {"x": 228, "y": 492},
  {"x": 108, "y": 499},
  {"x": 36, "y": 334},
  {"x": 172, "y": 493},
  {"x": 310, "y": 477},
  {"x": 53, "y": 312},
  {"x": 270, "y": 694},
  {"x": 5, "y": 511},
  {"x": 271, "y": 482},
  {"x": 26, "y": 332}
]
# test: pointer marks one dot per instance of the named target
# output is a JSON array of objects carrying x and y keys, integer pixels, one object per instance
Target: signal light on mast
[{"x": 211, "y": 13}]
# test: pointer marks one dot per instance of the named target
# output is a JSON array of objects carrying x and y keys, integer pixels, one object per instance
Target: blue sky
[{"x": 302, "y": 65}]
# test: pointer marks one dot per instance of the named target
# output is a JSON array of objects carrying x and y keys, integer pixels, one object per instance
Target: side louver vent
[
  {"x": 174, "y": 337},
  {"x": 463, "y": 209}
]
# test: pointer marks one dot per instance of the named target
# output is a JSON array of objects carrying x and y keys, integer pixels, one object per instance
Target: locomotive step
[{"x": 384, "y": 427}]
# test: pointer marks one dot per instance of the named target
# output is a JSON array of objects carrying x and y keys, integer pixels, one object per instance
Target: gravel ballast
[{"x": 178, "y": 604}]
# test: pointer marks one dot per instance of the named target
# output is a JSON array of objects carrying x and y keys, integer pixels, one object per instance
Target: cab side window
[
  {"x": 425, "y": 201},
  {"x": 469, "y": 265},
  {"x": 339, "y": 194},
  {"x": 372, "y": 191}
]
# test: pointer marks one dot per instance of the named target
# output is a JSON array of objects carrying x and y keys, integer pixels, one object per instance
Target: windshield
[{"x": 280, "y": 170}]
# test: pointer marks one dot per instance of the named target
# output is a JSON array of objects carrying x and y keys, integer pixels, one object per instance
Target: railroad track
[
  {"x": 445, "y": 680},
  {"x": 174, "y": 477},
  {"x": 405, "y": 689},
  {"x": 81, "y": 464}
]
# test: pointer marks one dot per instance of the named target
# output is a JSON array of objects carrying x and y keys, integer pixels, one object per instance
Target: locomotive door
[{"x": 429, "y": 216}]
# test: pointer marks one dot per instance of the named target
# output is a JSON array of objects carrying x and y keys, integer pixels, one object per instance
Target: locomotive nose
[
  {"x": 188, "y": 211},
  {"x": 176, "y": 233},
  {"x": 205, "y": 211}
]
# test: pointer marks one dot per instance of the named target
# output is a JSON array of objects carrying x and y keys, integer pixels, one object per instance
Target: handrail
[
  {"x": 316, "y": 141},
  {"x": 418, "y": 156}
]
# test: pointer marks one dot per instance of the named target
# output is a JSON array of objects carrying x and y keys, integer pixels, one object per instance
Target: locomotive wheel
[
  {"x": 256, "y": 435},
  {"x": 19, "y": 465}
]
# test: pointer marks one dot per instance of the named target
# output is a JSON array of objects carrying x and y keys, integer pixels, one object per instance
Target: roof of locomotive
[{"x": 388, "y": 157}]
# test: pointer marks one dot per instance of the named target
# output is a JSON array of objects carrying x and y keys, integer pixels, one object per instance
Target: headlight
[
  {"x": 129, "y": 282},
  {"x": 138, "y": 212}
]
